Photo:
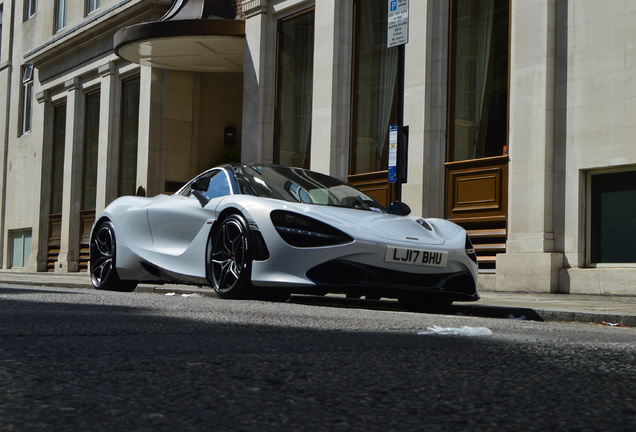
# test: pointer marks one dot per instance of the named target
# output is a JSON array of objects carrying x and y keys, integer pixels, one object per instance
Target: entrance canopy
[{"x": 194, "y": 35}]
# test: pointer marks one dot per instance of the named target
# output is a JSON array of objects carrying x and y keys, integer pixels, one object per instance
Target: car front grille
[{"x": 348, "y": 275}]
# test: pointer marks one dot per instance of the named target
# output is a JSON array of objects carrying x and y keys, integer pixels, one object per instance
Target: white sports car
[{"x": 249, "y": 230}]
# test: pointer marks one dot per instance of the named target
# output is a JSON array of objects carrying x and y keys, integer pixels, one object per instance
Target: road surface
[{"x": 80, "y": 359}]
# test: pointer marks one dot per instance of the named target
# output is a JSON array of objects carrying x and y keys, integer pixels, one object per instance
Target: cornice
[
  {"x": 254, "y": 7},
  {"x": 97, "y": 28}
]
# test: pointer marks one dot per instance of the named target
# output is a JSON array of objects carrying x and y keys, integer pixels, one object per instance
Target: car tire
[
  {"x": 230, "y": 259},
  {"x": 102, "y": 261},
  {"x": 414, "y": 303}
]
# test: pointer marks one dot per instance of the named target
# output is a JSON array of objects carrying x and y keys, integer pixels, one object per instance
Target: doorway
[{"x": 477, "y": 146}]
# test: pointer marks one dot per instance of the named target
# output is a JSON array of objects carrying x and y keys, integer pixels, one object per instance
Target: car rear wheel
[
  {"x": 102, "y": 258},
  {"x": 230, "y": 261}
]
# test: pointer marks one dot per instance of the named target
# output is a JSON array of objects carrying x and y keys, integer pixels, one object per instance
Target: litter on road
[
  {"x": 612, "y": 324},
  {"x": 461, "y": 331}
]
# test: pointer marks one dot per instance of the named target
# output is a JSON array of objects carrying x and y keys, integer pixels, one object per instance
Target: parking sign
[{"x": 398, "y": 23}]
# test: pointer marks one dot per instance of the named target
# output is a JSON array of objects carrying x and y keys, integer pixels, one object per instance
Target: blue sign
[{"x": 393, "y": 139}]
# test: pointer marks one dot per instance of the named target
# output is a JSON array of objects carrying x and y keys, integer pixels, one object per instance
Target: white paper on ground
[{"x": 461, "y": 331}]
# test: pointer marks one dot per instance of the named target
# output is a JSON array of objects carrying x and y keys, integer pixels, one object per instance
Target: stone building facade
[{"x": 519, "y": 116}]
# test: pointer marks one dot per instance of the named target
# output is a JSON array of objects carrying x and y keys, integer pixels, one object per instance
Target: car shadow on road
[{"x": 462, "y": 309}]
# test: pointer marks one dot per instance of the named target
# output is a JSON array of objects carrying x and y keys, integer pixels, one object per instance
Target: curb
[{"x": 479, "y": 309}]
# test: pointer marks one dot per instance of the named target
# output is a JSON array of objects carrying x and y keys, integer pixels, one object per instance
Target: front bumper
[{"x": 356, "y": 278}]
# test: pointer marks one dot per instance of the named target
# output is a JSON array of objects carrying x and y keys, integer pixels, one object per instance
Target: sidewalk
[{"x": 539, "y": 307}]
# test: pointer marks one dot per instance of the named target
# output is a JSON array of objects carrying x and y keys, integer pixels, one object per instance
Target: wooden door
[
  {"x": 54, "y": 241},
  {"x": 375, "y": 185},
  {"x": 87, "y": 218},
  {"x": 477, "y": 199}
]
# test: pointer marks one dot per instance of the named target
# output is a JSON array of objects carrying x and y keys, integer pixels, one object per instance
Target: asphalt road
[{"x": 79, "y": 359}]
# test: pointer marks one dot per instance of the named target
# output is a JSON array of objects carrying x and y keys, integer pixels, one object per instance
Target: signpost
[{"x": 398, "y": 36}]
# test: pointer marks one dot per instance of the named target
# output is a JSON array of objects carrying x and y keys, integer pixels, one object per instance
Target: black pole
[{"x": 401, "y": 142}]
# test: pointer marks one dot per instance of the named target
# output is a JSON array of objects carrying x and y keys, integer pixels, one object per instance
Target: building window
[
  {"x": 478, "y": 114},
  {"x": 26, "y": 99},
  {"x": 374, "y": 88},
  {"x": 295, "y": 71},
  {"x": 29, "y": 8},
  {"x": 612, "y": 222},
  {"x": 20, "y": 247},
  {"x": 129, "y": 136},
  {"x": 91, "y": 143},
  {"x": 57, "y": 169},
  {"x": 60, "y": 15},
  {"x": 91, "y": 6}
]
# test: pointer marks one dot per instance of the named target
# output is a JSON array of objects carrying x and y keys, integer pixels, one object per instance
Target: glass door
[{"x": 374, "y": 100}]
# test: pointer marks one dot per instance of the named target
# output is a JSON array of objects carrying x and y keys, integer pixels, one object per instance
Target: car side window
[
  {"x": 213, "y": 184},
  {"x": 218, "y": 186}
]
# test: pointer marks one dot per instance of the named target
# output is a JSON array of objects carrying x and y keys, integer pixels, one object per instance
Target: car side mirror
[
  {"x": 399, "y": 208},
  {"x": 201, "y": 184},
  {"x": 198, "y": 188}
]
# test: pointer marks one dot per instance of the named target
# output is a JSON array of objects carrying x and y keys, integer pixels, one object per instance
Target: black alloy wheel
[
  {"x": 102, "y": 261},
  {"x": 230, "y": 261}
]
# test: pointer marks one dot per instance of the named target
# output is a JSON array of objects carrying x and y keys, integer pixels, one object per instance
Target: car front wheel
[
  {"x": 102, "y": 258},
  {"x": 230, "y": 262}
]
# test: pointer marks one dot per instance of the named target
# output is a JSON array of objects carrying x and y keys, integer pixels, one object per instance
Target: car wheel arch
[
  {"x": 97, "y": 224},
  {"x": 242, "y": 287},
  {"x": 106, "y": 257},
  {"x": 223, "y": 215}
]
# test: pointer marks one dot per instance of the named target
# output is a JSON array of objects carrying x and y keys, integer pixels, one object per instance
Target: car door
[{"x": 180, "y": 224}]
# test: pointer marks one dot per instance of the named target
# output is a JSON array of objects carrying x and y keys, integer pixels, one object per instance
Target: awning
[{"x": 194, "y": 35}]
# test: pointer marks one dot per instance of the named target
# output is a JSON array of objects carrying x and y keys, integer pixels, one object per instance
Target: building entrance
[{"x": 477, "y": 149}]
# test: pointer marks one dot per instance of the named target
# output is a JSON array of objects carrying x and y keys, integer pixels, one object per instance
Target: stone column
[
  {"x": 41, "y": 136},
  {"x": 73, "y": 148},
  {"x": 331, "y": 110},
  {"x": 258, "y": 85},
  {"x": 108, "y": 146},
  {"x": 530, "y": 262},
  {"x": 152, "y": 139},
  {"x": 425, "y": 108}
]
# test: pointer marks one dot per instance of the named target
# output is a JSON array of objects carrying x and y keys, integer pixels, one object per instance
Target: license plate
[{"x": 416, "y": 257}]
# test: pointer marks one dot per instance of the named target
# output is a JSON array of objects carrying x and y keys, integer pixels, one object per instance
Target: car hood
[{"x": 391, "y": 227}]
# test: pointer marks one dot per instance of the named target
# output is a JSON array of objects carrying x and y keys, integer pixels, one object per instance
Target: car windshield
[{"x": 302, "y": 186}]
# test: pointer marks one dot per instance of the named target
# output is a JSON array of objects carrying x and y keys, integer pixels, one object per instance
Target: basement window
[
  {"x": 20, "y": 247},
  {"x": 612, "y": 218}
]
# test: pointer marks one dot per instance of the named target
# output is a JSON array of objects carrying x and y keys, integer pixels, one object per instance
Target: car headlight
[
  {"x": 302, "y": 231},
  {"x": 470, "y": 250}
]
